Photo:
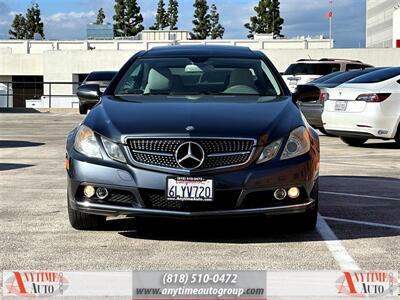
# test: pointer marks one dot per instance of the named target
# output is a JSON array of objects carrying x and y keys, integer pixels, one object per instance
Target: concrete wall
[
  {"x": 20, "y": 64},
  {"x": 60, "y": 66},
  {"x": 35, "y": 47}
]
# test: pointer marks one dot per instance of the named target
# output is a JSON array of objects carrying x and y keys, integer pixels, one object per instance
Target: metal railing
[{"x": 16, "y": 93}]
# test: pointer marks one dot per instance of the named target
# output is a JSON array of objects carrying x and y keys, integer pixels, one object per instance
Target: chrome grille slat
[{"x": 219, "y": 152}]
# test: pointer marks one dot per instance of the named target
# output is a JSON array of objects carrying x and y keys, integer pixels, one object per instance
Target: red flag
[{"x": 329, "y": 14}]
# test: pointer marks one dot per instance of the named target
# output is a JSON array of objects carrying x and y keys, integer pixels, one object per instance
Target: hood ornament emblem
[
  {"x": 189, "y": 128},
  {"x": 189, "y": 155}
]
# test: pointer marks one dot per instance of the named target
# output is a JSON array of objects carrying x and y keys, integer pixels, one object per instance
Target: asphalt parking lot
[{"x": 359, "y": 225}]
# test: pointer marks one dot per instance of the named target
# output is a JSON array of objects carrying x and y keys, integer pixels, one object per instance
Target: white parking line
[
  {"x": 359, "y": 195},
  {"x": 362, "y": 223},
  {"x": 339, "y": 252}
]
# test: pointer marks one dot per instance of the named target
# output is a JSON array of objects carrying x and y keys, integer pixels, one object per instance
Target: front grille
[
  {"x": 121, "y": 197},
  {"x": 218, "y": 153},
  {"x": 223, "y": 200}
]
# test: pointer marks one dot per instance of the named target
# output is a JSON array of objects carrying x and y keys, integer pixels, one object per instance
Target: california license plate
[
  {"x": 189, "y": 189},
  {"x": 340, "y": 105}
]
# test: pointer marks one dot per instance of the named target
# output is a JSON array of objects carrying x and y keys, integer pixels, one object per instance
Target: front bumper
[
  {"x": 113, "y": 210},
  {"x": 238, "y": 190}
]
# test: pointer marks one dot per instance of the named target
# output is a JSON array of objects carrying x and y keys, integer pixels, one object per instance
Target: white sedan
[{"x": 367, "y": 107}]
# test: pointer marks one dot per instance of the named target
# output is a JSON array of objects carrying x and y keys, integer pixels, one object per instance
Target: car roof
[
  {"x": 104, "y": 72},
  {"x": 329, "y": 60},
  {"x": 199, "y": 50}
]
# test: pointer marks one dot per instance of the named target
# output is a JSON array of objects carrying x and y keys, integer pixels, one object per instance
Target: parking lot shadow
[
  {"x": 384, "y": 145},
  {"x": 19, "y": 110},
  {"x": 18, "y": 144},
  {"x": 346, "y": 197},
  {"x": 6, "y": 166},
  {"x": 223, "y": 230}
]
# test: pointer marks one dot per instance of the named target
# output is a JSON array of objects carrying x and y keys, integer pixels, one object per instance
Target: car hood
[{"x": 205, "y": 116}]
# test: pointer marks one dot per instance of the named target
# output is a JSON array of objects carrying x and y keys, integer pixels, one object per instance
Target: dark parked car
[
  {"x": 100, "y": 78},
  {"x": 194, "y": 131},
  {"x": 313, "y": 110}
]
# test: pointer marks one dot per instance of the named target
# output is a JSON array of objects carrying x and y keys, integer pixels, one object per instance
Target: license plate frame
[
  {"x": 340, "y": 105},
  {"x": 181, "y": 188}
]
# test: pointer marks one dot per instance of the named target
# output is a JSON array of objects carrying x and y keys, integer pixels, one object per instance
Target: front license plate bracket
[{"x": 191, "y": 189}]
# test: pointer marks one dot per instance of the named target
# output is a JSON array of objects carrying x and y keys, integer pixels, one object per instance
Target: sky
[{"x": 67, "y": 19}]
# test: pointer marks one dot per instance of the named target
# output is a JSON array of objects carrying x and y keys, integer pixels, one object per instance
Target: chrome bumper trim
[{"x": 112, "y": 210}]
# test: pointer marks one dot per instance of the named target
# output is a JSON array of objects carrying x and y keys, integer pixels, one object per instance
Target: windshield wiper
[
  {"x": 195, "y": 93},
  {"x": 156, "y": 93}
]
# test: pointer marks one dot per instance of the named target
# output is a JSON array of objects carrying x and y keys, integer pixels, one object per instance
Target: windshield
[
  {"x": 185, "y": 76},
  {"x": 312, "y": 69}
]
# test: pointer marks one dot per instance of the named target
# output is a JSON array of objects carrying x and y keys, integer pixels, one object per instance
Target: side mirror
[
  {"x": 89, "y": 92},
  {"x": 306, "y": 93}
]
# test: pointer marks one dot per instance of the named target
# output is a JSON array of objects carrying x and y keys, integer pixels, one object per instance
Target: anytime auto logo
[
  {"x": 368, "y": 284},
  {"x": 35, "y": 283}
]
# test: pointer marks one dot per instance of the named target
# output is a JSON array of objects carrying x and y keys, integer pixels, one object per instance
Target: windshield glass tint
[
  {"x": 312, "y": 69},
  {"x": 346, "y": 76},
  {"x": 183, "y": 76},
  {"x": 377, "y": 76},
  {"x": 101, "y": 76},
  {"x": 327, "y": 77}
]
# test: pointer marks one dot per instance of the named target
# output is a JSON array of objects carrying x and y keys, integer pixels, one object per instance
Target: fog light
[
  {"x": 101, "y": 192},
  {"x": 293, "y": 192},
  {"x": 280, "y": 194},
  {"x": 88, "y": 191}
]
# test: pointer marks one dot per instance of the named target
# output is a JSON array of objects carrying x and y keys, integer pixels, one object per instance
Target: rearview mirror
[
  {"x": 193, "y": 69},
  {"x": 89, "y": 92},
  {"x": 306, "y": 93}
]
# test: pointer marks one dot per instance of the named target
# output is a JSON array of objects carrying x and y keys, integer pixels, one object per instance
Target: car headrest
[
  {"x": 241, "y": 77},
  {"x": 157, "y": 81}
]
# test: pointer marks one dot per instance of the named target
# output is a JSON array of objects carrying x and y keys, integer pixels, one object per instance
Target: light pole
[{"x": 330, "y": 19}]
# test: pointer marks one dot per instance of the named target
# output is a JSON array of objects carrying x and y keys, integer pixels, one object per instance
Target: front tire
[
  {"x": 307, "y": 221},
  {"x": 356, "y": 142},
  {"x": 83, "y": 221},
  {"x": 397, "y": 137}
]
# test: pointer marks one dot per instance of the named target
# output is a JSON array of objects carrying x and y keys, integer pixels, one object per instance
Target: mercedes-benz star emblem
[{"x": 189, "y": 155}]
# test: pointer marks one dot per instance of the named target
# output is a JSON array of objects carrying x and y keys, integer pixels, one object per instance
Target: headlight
[
  {"x": 113, "y": 150},
  {"x": 86, "y": 142},
  {"x": 270, "y": 151},
  {"x": 297, "y": 144}
]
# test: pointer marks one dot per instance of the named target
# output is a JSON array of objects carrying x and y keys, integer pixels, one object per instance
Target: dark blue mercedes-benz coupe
[{"x": 194, "y": 131}]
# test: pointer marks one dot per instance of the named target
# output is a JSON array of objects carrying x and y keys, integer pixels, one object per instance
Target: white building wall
[
  {"x": 379, "y": 23},
  {"x": 396, "y": 26}
]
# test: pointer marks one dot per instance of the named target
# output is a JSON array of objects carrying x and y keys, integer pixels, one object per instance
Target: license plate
[
  {"x": 341, "y": 105},
  {"x": 189, "y": 189}
]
